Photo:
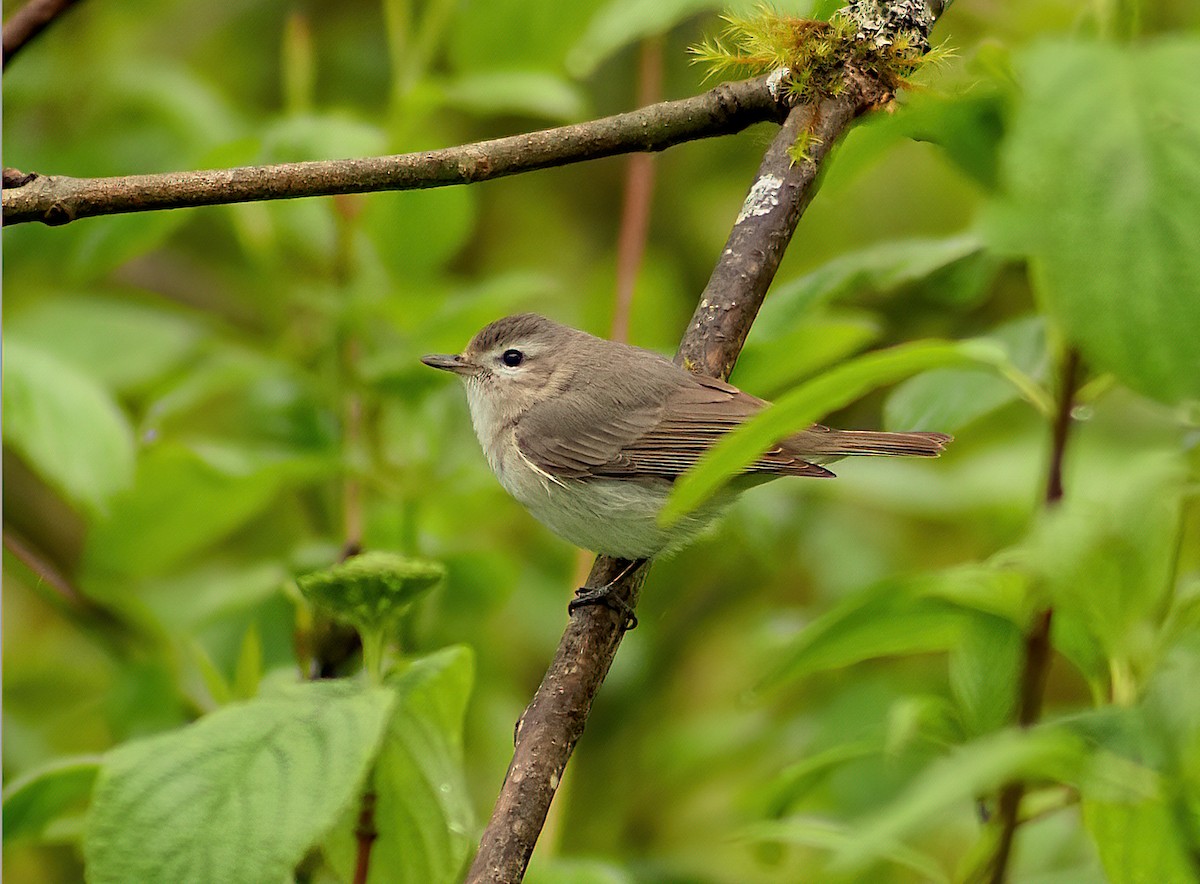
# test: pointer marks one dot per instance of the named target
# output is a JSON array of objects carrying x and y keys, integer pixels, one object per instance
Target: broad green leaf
[
  {"x": 897, "y": 616},
  {"x": 1139, "y": 843},
  {"x": 33, "y": 801},
  {"x": 123, "y": 344},
  {"x": 526, "y": 93},
  {"x": 970, "y": 770},
  {"x": 1106, "y": 557},
  {"x": 968, "y": 126},
  {"x": 771, "y": 363},
  {"x": 951, "y": 398},
  {"x": 985, "y": 668},
  {"x": 65, "y": 426},
  {"x": 803, "y": 406},
  {"x": 241, "y": 795},
  {"x": 838, "y": 838},
  {"x": 881, "y": 268},
  {"x": 423, "y": 812},
  {"x": 1101, "y": 168}
]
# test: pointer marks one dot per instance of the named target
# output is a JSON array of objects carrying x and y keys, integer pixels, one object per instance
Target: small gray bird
[{"x": 589, "y": 434}]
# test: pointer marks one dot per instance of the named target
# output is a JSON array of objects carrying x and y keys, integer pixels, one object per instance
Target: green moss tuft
[{"x": 816, "y": 53}]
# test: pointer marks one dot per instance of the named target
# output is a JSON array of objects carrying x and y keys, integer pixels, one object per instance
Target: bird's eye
[{"x": 512, "y": 358}]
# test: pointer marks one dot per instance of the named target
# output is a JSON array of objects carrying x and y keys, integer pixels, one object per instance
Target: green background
[{"x": 819, "y": 689}]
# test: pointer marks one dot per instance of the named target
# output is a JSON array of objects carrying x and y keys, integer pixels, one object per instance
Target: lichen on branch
[{"x": 822, "y": 59}]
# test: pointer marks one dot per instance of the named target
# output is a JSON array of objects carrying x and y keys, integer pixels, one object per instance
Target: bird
[{"x": 589, "y": 435}]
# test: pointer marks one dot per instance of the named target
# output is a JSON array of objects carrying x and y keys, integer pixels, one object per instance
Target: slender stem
[
  {"x": 29, "y": 21},
  {"x": 102, "y": 622},
  {"x": 365, "y": 834},
  {"x": 639, "y": 192},
  {"x": 1037, "y": 640},
  {"x": 724, "y": 110}
]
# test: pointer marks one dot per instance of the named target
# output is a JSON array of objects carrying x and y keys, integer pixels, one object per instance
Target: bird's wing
[
  {"x": 695, "y": 417},
  {"x": 657, "y": 430}
]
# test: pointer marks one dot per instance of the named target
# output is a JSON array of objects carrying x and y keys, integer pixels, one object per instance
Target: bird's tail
[{"x": 819, "y": 443}]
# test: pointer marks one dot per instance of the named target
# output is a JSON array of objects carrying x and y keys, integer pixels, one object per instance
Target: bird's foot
[{"x": 603, "y": 595}]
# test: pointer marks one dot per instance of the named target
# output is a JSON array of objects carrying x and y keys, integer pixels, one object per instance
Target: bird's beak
[{"x": 445, "y": 362}]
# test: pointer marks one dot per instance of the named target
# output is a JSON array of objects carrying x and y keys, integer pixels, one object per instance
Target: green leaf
[
  {"x": 838, "y": 838},
  {"x": 794, "y": 781},
  {"x": 951, "y": 398},
  {"x": 1139, "y": 843},
  {"x": 971, "y": 770},
  {"x": 880, "y": 268},
  {"x": 770, "y": 363},
  {"x": 249, "y": 668},
  {"x": 423, "y": 811},
  {"x": 803, "y": 406},
  {"x": 526, "y": 93},
  {"x": 1105, "y": 555},
  {"x": 1102, "y": 167},
  {"x": 121, "y": 344},
  {"x": 66, "y": 426},
  {"x": 905, "y": 615},
  {"x": 621, "y": 22},
  {"x": 241, "y": 795},
  {"x": 35, "y": 800},
  {"x": 985, "y": 668}
]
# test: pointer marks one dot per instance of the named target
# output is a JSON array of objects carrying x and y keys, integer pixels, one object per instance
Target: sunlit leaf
[
  {"x": 121, "y": 343},
  {"x": 240, "y": 795},
  {"x": 423, "y": 812},
  {"x": 66, "y": 426},
  {"x": 1101, "y": 168},
  {"x": 1139, "y": 842}
]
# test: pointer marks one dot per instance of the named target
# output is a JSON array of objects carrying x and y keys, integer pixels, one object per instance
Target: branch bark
[
  {"x": 555, "y": 718},
  {"x": 29, "y": 21},
  {"x": 726, "y": 109}
]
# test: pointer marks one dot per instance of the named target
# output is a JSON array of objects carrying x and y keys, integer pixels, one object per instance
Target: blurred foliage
[{"x": 204, "y": 405}]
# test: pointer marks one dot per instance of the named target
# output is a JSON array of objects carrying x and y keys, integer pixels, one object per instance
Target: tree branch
[
  {"x": 555, "y": 718},
  {"x": 729, "y": 108},
  {"x": 29, "y": 21},
  {"x": 1037, "y": 640}
]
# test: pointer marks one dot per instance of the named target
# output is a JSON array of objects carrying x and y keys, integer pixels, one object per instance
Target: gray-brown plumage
[{"x": 589, "y": 433}]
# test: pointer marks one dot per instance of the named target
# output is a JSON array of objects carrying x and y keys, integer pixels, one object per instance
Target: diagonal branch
[
  {"x": 555, "y": 718},
  {"x": 728, "y": 108},
  {"x": 29, "y": 21}
]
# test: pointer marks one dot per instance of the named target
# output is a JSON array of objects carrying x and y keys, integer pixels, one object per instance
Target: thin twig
[
  {"x": 102, "y": 621},
  {"x": 1037, "y": 640},
  {"x": 29, "y": 21},
  {"x": 726, "y": 109},
  {"x": 555, "y": 718},
  {"x": 639, "y": 190}
]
